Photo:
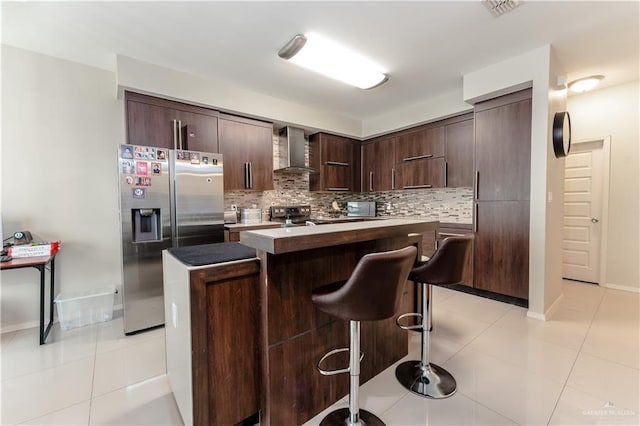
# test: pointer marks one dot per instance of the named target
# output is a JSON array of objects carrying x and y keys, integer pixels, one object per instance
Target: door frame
[{"x": 604, "y": 220}]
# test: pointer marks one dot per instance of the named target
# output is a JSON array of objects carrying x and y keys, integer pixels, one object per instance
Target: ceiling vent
[{"x": 500, "y": 7}]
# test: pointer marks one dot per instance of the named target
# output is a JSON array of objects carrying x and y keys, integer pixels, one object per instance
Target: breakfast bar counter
[{"x": 294, "y": 335}]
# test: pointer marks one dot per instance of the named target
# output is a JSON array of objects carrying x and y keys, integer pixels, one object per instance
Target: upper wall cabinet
[
  {"x": 378, "y": 165},
  {"x": 459, "y": 154},
  {"x": 247, "y": 150},
  {"x": 337, "y": 160},
  {"x": 420, "y": 159},
  {"x": 159, "y": 122}
]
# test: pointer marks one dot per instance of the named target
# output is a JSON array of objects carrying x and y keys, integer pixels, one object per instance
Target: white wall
[
  {"x": 156, "y": 80},
  {"x": 532, "y": 69},
  {"x": 432, "y": 109},
  {"x": 61, "y": 123},
  {"x": 615, "y": 111}
]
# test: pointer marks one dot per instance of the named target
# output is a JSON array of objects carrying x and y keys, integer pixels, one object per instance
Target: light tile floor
[{"x": 580, "y": 368}]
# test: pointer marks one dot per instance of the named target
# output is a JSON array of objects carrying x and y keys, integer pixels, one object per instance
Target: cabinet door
[
  {"x": 384, "y": 170},
  {"x": 503, "y": 151},
  {"x": 336, "y": 150},
  {"x": 260, "y": 157},
  {"x": 501, "y": 247},
  {"x": 199, "y": 132},
  {"x": 378, "y": 168},
  {"x": 368, "y": 166},
  {"x": 337, "y": 161},
  {"x": 232, "y": 138},
  {"x": 417, "y": 174},
  {"x": 150, "y": 125},
  {"x": 459, "y": 154},
  {"x": 247, "y": 151},
  {"x": 428, "y": 143}
]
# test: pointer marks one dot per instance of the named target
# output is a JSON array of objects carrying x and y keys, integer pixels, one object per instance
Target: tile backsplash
[{"x": 443, "y": 204}]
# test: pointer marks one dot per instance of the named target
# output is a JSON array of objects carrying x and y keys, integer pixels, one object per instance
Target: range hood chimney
[{"x": 291, "y": 151}]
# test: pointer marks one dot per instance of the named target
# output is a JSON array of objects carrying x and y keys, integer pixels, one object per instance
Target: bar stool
[
  {"x": 372, "y": 292},
  {"x": 445, "y": 267}
]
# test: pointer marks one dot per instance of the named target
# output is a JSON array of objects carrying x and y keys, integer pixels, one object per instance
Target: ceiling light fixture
[
  {"x": 333, "y": 60},
  {"x": 585, "y": 84}
]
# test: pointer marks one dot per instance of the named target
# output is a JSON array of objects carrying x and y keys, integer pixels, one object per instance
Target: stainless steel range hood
[{"x": 291, "y": 151}]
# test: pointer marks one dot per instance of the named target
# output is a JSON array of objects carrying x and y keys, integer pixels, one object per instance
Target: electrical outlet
[{"x": 387, "y": 206}]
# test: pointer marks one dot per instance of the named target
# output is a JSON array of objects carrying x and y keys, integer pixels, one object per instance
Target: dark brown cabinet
[
  {"x": 453, "y": 230},
  {"x": 337, "y": 160},
  {"x": 459, "y": 154},
  {"x": 247, "y": 149},
  {"x": 503, "y": 150},
  {"x": 378, "y": 165},
  {"x": 502, "y": 163},
  {"x": 420, "y": 159},
  {"x": 173, "y": 125},
  {"x": 225, "y": 336}
]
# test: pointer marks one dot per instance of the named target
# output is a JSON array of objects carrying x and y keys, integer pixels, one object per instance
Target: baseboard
[
  {"x": 549, "y": 312},
  {"x": 21, "y": 326},
  {"x": 32, "y": 324},
  {"x": 622, "y": 287}
]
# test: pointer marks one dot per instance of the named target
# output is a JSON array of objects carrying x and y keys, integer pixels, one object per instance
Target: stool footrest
[
  {"x": 409, "y": 327},
  {"x": 338, "y": 371}
]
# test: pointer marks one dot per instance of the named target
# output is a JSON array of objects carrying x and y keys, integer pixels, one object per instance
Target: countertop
[
  {"x": 285, "y": 240},
  {"x": 246, "y": 226},
  {"x": 210, "y": 254}
]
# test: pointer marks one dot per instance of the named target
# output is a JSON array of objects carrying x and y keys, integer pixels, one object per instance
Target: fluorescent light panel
[{"x": 333, "y": 60}]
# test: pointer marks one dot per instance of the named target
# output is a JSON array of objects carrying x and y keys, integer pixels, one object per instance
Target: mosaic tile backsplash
[{"x": 443, "y": 204}]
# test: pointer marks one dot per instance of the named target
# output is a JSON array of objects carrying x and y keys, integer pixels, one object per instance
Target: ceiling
[{"x": 425, "y": 47}]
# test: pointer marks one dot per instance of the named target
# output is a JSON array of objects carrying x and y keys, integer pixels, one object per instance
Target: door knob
[{"x": 594, "y": 220}]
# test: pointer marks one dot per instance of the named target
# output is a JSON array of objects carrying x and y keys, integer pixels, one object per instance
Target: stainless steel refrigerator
[{"x": 168, "y": 198}]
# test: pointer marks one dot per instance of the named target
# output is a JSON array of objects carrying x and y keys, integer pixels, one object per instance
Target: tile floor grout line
[
  {"x": 564, "y": 386},
  {"x": 93, "y": 378}
]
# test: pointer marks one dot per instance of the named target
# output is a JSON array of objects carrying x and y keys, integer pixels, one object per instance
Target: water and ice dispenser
[{"x": 146, "y": 225}]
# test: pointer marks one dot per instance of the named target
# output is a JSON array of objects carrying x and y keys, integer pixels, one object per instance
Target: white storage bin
[{"x": 76, "y": 309}]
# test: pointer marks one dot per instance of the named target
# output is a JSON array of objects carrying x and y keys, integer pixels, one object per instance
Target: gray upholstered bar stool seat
[
  {"x": 373, "y": 292},
  {"x": 445, "y": 267}
]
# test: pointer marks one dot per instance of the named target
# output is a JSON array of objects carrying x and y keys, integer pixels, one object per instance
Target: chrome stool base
[
  {"x": 431, "y": 382},
  {"x": 341, "y": 417}
]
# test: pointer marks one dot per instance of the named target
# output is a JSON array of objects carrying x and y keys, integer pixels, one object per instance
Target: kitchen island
[{"x": 294, "y": 335}]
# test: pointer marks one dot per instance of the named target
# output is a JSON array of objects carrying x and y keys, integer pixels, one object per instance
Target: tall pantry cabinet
[{"x": 501, "y": 199}]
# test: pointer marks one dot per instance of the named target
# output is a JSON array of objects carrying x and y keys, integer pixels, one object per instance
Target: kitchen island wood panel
[
  {"x": 212, "y": 328},
  {"x": 295, "y": 335}
]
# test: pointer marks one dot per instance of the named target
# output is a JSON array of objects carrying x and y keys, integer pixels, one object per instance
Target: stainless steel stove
[{"x": 296, "y": 215}]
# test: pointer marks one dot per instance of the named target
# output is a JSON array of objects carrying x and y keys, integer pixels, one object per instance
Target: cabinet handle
[
  {"x": 416, "y": 186},
  {"x": 419, "y": 157},
  {"x": 250, "y": 176},
  {"x": 337, "y": 189},
  {"x": 477, "y": 184},
  {"x": 393, "y": 178},
  {"x": 180, "y": 133},
  {"x": 370, "y": 181},
  {"x": 246, "y": 174},
  {"x": 175, "y": 134},
  {"x": 475, "y": 218},
  {"x": 446, "y": 174},
  {"x": 337, "y": 163}
]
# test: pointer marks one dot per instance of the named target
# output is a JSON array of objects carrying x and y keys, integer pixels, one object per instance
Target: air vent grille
[{"x": 500, "y": 7}]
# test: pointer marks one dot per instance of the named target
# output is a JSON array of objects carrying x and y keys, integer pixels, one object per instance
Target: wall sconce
[{"x": 585, "y": 84}]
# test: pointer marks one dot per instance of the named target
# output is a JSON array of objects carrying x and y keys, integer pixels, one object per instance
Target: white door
[{"x": 581, "y": 237}]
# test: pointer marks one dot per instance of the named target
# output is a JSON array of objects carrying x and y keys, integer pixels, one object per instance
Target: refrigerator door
[
  {"x": 198, "y": 198},
  {"x": 145, "y": 232}
]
